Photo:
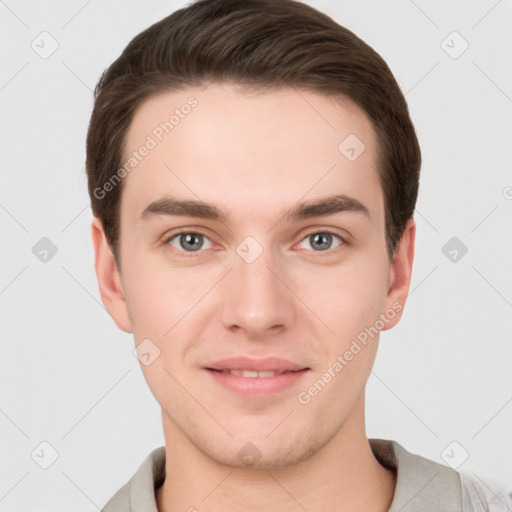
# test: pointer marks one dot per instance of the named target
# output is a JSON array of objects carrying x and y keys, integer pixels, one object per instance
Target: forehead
[{"x": 249, "y": 149}]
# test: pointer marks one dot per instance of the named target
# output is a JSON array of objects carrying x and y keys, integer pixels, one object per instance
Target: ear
[
  {"x": 400, "y": 271},
  {"x": 109, "y": 280}
]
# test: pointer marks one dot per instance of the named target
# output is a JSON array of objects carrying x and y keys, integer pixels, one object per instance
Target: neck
[{"x": 343, "y": 476}]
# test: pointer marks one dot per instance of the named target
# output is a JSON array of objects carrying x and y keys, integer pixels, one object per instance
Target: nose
[{"x": 257, "y": 297}]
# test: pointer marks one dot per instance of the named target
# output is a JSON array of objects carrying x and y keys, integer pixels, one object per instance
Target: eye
[
  {"x": 189, "y": 241},
  {"x": 322, "y": 240}
]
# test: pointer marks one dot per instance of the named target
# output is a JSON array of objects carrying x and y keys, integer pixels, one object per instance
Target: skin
[{"x": 255, "y": 155}]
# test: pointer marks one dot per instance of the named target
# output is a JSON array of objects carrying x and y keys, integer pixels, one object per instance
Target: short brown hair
[{"x": 259, "y": 44}]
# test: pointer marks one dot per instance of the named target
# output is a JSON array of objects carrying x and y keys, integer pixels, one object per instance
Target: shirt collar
[{"x": 422, "y": 485}]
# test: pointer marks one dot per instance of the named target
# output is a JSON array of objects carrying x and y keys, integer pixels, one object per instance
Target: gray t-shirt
[{"x": 422, "y": 485}]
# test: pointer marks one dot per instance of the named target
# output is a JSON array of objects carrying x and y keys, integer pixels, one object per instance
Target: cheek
[
  {"x": 153, "y": 298},
  {"x": 348, "y": 298},
  {"x": 161, "y": 296}
]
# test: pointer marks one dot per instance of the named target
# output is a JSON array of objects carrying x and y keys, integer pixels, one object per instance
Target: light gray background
[{"x": 69, "y": 376}]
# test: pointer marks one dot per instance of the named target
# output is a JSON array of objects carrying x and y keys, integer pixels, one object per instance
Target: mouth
[
  {"x": 255, "y": 374},
  {"x": 256, "y": 377}
]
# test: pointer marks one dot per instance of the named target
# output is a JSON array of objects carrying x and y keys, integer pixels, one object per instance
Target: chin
[{"x": 264, "y": 454}]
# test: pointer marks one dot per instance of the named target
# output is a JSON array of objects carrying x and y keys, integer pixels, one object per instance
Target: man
[{"x": 253, "y": 173}]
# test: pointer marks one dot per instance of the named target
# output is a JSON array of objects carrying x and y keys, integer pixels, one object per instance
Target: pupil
[
  {"x": 188, "y": 241},
  {"x": 320, "y": 238}
]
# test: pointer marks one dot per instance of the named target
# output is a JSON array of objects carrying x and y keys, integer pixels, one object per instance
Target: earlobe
[
  {"x": 109, "y": 280},
  {"x": 400, "y": 274}
]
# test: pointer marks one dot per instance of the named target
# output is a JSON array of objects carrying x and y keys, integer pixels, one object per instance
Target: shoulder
[
  {"x": 424, "y": 485},
  {"x": 483, "y": 496},
  {"x": 120, "y": 502},
  {"x": 138, "y": 494}
]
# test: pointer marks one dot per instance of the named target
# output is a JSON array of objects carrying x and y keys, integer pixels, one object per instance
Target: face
[{"x": 254, "y": 268}]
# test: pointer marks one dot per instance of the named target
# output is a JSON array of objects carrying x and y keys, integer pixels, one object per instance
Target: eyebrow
[{"x": 306, "y": 210}]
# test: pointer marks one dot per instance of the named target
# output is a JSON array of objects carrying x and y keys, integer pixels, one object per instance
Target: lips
[
  {"x": 248, "y": 367},
  {"x": 256, "y": 377},
  {"x": 252, "y": 373}
]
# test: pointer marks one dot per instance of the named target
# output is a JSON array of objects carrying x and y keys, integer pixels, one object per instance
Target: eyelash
[{"x": 186, "y": 254}]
